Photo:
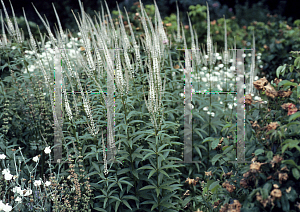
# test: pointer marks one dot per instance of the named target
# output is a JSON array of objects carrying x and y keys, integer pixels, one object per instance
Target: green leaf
[
  {"x": 96, "y": 166},
  {"x": 148, "y": 187},
  {"x": 296, "y": 173},
  {"x": 213, "y": 185},
  {"x": 186, "y": 200},
  {"x": 297, "y": 62},
  {"x": 259, "y": 151},
  {"x": 151, "y": 173},
  {"x": 126, "y": 203},
  {"x": 278, "y": 71},
  {"x": 294, "y": 116},
  {"x": 215, "y": 159},
  {"x": 226, "y": 126},
  {"x": 284, "y": 202},
  {"x": 215, "y": 143}
]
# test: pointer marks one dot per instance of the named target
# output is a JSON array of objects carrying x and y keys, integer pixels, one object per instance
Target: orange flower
[{"x": 213, "y": 22}]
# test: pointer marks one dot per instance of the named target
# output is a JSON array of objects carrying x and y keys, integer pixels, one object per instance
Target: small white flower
[
  {"x": 217, "y": 68},
  {"x": 181, "y": 94},
  {"x": 206, "y": 56},
  {"x": 205, "y": 108},
  {"x": 47, "y": 150},
  {"x": 5, "y": 171},
  {"x": 230, "y": 106},
  {"x": 257, "y": 98},
  {"x": 259, "y": 54},
  {"x": 204, "y": 68},
  {"x": 221, "y": 65},
  {"x": 244, "y": 55},
  {"x": 47, "y": 183},
  {"x": 256, "y": 78},
  {"x": 258, "y": 57},
  {"x": 249, "y": 54},
  {"x": 8, "y": 176},
  {"x": 231, "y": 60},
  {"x": 261, "y": 66},
  {"x": 232, "y": 68},
  {"x": 13, "y": 47},
  {"x": 221, "y": 102},
  {"x": 7, "y": 208},
  {"x": 79, "y": 33},
  {"x": 2, "y": 156},
  {"x": 35, "y": 159},
  {"x": 212, "y": 114},
  {"x": 37, "y": 183},
  {"x": 18, "y": 199},
  {"x": 290, "y": 58},
  {"x": 219, "y": 58},
  {"x": 28, "y": 192},
  {"x": 217, "y": 54},
  {"x": 18, "y": 190}
]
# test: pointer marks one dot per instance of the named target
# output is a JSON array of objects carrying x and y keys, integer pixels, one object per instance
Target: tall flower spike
[
  {"x": 62, "y": 34},
  {"x": 32, "y": 41},
  {"x": 19, "y": 37},
  {"x": 135, "y": 46},
  {"x": 53, "y": 39},
  {"x": 104, "y": 156},
  {"x": 4, "y": 39},
  {"x": 11, "y": 29},
  {"x": 209, "y": 42},
  {"x": 178, "y": 24},
  {"x": 160, "y": 26},
  {"x": 252, "y": 65},
  {"x": 225, "y": 54}
]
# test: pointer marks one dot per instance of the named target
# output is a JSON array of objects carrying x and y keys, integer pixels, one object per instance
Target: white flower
[
  {"x": 204, "y": 68},
  {"x": 261, "y": 66},
  {"x": 249, "y": 54},
  {"x": 257, "y": 98},
  {"x": 205, "y": 108},
  {"x": 47, "y": 150},
  {"x": 256, "y": 78},
  {"x": 28, "y": 192},
  {"x": 258, "y": 57},
  {"x": 206, "y": 56},
  {"x": 244, "y": 55},
  {"x": 35, "y": 159},
  {"x": 47, "y": 183},
  {"x": 221, "y": 65},
  {"x": 18, "y": 199},
  {"x": 2, "y": 156},
  {"x": 5, "y": 171},
  {"x": 18, "y": 190},
  {"x": 37, "y": 183},
  {"x": 219, "y": 58},
  {"x": 8, "y": 176},
  {"x": 6, "y": 208}
]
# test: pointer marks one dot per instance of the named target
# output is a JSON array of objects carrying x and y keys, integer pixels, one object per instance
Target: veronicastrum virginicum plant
[{"x": 144, "y": 129}]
